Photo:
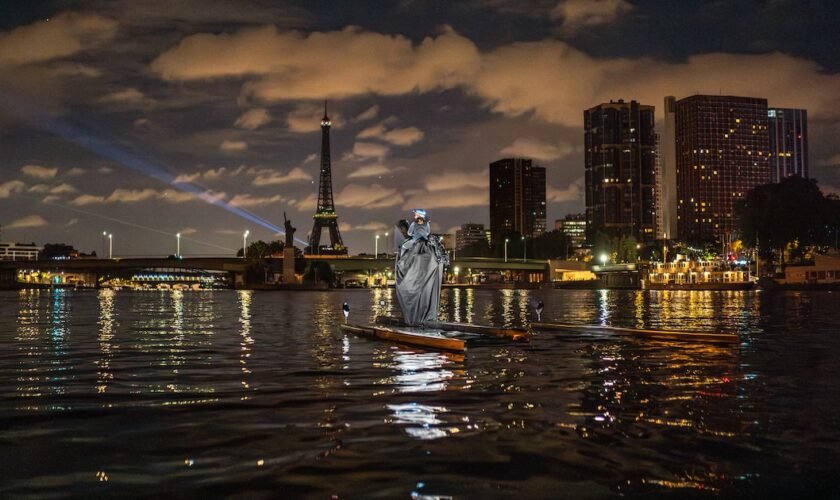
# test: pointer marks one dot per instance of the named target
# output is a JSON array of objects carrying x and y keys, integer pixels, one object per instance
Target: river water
[{"x": 249, "y": 394}]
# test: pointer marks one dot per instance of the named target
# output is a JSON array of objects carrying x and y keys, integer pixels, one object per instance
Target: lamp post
[
  {"x": 104, "y": 236},
  {"x": 245, "y": 243},
  {"x": 603, "y": 259},
  {"x": 110, "y": 246},
  {"x": 376, "y": 247},
  {"x": 506, "y": 243},
  {"x": 524, "y": 249},
  {"x": 178, "y": 245}
]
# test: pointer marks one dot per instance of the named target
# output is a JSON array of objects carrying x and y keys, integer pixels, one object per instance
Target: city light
[
  {"x": 245, "y": 243},
  {"x": 110, "y": 246},
  {"x": 506, "y": 244},
  {"x": 178, "y": 245},
  {"x": 604, "y": 259}
]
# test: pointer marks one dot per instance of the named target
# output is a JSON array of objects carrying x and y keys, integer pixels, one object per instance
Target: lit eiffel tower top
[{"x": 325, "y": 215}]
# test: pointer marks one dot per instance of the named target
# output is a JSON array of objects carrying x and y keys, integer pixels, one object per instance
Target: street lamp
[
  {"x": 245, "y": 243},
  {"x": 104, "y": 236},
  {"x": 506, "y": 243},
  {"x": 178, "y": 245},
  {"x": 604, "y": 259},
  {"x": 376, "y": 247},
  {"x": 524, "y": 249},
  {"x": 110, "y": 246}
]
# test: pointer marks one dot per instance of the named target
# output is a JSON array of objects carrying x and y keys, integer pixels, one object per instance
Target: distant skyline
[{"x": 221, "y": 102}]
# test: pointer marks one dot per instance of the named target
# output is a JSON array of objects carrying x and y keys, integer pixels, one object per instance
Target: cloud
[
  {"x": 306, "y": 117},
  {"x": 831, "y": 161},
  {"x": 291, "y": 65},
  {"x": 72, "y": 222},
  {"x": 10, "y": 187},
  {"x": 578, "y": 14},
  {"x": 62, "y": 189},
  {"x": 377, "y": 170},
  {"x": 233, "y": 145},
  {"x": 141, "y": 195},
  {"x": 268, "y": 177},
  {"x": 369, "y": 150},
  {"x": 562, "y": 80},
  {"x": 526, "y": 147},
  {"x": 130, "y": 96},
  {"x": 398, "y": 136},
  {"x": 104, "y": 170},
  {"x": 368, "y": 226},
  {"x": 449, "y": 198},
  {"x": 253, "y": 119},
  {"x": 572, "y": 192},
  {"x": 75, "y": 172},
  {"x": 187, "y": 231},
  {"x": 39, "y": 172},
  {"x": 248, "y": 201},
  {"x": 368, "y": 196},
  {"x": 76, "y": 69},
  {"x": 307, "y": 203},
  {"x": 368, "y": 114},
  {"x": 28, "y": 221},
  {"x": 452, "y": 179},
  {"x": 207, "y": 175},
  {"x": 59, "y": 36}
]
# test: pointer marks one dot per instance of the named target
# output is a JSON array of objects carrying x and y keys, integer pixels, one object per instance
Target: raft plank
[
  {"x": 411, "y": 338},
  {"x": 675, "y": 335},
  {"x": 515, "y": 334}
]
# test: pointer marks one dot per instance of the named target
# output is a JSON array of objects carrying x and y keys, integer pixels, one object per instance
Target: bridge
[{"x": 89, "y": 271}]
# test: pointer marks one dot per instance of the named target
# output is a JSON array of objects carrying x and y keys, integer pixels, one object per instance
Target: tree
[
  {"x": 57, "y": 250},
  {"x": 320, "y": 271},
  {"x": 785, "y": 216}
]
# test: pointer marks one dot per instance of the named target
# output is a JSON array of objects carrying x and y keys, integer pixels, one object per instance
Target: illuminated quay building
[
  {"x": 722, "y": 152},
  {"x": 517, "y": 198},
  {"x": 620, "y": 163},
  {"x": 468, "y": 234},
  {"x": 573, "y": 226},
  {"x": 788, "y": 134}
]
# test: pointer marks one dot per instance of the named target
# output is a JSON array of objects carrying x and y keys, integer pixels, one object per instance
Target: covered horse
[{"x": 421, "y": 259}]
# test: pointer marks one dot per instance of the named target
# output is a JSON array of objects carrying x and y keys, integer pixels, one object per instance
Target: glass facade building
[
  {"x": 788, "y": 134},
  {"x": 722, "y": 152},
  {"x": 517, "y": 198},
  {"x": 620, "y": 169}
]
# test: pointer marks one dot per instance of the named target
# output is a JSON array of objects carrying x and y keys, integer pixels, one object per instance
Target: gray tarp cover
[{"x": 419, "y": 274}]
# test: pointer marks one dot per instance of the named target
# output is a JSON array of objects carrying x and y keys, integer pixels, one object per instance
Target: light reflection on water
[{"x": 194, "y": 391}]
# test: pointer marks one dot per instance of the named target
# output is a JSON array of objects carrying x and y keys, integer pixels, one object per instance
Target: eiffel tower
[{"x": 325, "y": 216}]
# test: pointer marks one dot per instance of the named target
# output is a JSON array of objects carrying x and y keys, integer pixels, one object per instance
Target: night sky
[{"x": 145, "y": 118}]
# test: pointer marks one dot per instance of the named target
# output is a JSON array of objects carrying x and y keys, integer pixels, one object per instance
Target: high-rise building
[
  {"x": 517, "y": 198},
  {"x": 667, "y": 208},
  {"x": 788, "y": 132},
  {"x": 574, "y": 227},
  {"x": 722, "y": 152},
  {"x": 620, "y": 150},
  {"x": 469, "y": 234},
  {"x": 325, "y": 216}
]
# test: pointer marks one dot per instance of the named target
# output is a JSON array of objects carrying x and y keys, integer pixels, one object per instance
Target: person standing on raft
[{"x": 421, "y": 259}]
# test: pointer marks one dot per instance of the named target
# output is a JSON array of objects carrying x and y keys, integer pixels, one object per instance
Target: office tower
[
  {"x": 620, "y": 149},
  {"x": 517, "y": 198},
  {"x": 667, "y": 208},
  {"x": 574, "y": 227},
  {"x": 325, "y": 216},
  {"x": 788, "y": 135},
  {"x": 722, "y": 153},
  {"x": 469, "y": 234}
]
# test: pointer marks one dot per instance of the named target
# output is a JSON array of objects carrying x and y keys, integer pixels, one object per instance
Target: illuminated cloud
[
  {"x": 75, "y": 172},
  {"x": 306, "y": 117},
  {"x": 248, "y": 201},
  {"x": 268, "y": 177},
  {"x": 449, "y": 198},
  {"x": 188, "y": 231},
  {"x": 578, "y": 14},
  {"x": 369, "y": 150},
  {"x": 572, "y": 192},
  {"x": 368, "y": 226},
  {"x": 28, "y": 221},
  {"x": 39, "y": 172},
  {"x": 10, "y": 187},
  {"x": 368, "y": 114},
  {"x": 207, "y": 175},
  {"x": 141, "y": 195},
  {"x": 377, "y": 170},
  {"x": 399, "y": 136},
  {"x": 368, "y": 196},
  {"x": 291, "y": 65},
  {"x": 452, "y": 179},
  {"x": 253, "y": 119},
  {"x": 128, "y": 96},
  {"x": 526, "y": 147},
  {"x": 60, "y": 36},
  {"x": 233, "y": 145}
]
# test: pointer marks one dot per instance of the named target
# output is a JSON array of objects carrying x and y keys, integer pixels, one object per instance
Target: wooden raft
[
  {"x": 673, "y": 335},
  {"x": 432, "y": 340},
  {"x": 515, "y": 334}
]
